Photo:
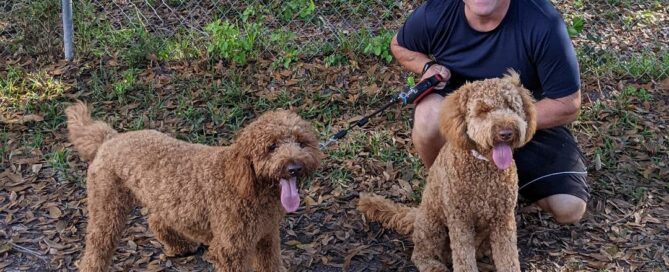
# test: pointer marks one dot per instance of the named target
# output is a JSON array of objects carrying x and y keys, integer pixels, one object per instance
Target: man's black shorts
[{"x": 550, "y": 164}]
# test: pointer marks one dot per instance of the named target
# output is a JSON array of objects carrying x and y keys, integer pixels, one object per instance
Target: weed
[
  {"x": 576, "y": 26},
  {"x": 349, "y": 148},
  {"x": 366, "y": 43},
  {"x": 283, "y": 43},
  {"x": 632, "y": 92},
  {"x": 137, "y": 123},
  {"x": 411, "y": 81},
  {"x": 228, "y": 42},
  {"x": 335, "y": 59},
  {"x": 185, "y": 108},
  {"x": 37, "y": 139},
  {"x": 184, "y": 45},
  {"x": 291, "y": 9},
  {"x": 127, "y": 82},
  {"x": 58, "y": 159},
  {"x": 340, "y": 176},
  {"x": 380, "y": 46},
  {"x": 142, "y": 45},
  {"x": 380, "y": 147},
  {"x": 52, "y": 112}
]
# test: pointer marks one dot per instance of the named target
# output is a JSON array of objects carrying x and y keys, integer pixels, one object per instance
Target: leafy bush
[
  {"x": 228, "y": 42},
  {"x": 380, "y": 46}
]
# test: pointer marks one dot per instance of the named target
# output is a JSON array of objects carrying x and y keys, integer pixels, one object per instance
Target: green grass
[
  {"x": 58, "y": 159},
  {"x": 96, "y": 35},
  {"x": 126, "y": 83},
  {"x": 132, "y": 44},
  {"x": 34, "y": 32},
  {"x": 184, "y": 45},
  {"x": 340, "y": 176},
  {"x": 25, "y": 90},
  {"x": 642, "y": 66},
  {"x": 237, "y": 39}
]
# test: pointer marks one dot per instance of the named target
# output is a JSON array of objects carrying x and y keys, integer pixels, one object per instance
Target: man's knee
[
  {"x": 425, "y": 124},
  {"x": 566, "y": 209}
]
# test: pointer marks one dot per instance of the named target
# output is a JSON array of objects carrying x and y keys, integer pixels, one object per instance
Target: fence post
[{"x": 68, "y": 29}]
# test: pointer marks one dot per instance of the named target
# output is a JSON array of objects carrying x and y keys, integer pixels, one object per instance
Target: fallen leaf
[
  {"x": 4, "y": 247},
  {"x": 54, "y": 212}
]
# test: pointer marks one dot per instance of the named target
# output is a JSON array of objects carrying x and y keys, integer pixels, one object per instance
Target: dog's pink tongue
[
  {"x": 502, "y": 156},
  {"x": 290, "y": 199}
]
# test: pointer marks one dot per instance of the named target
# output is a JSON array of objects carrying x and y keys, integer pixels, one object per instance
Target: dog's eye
[
  {"x": 271, "y": 148},
  {"x": 303, "y": 144}
]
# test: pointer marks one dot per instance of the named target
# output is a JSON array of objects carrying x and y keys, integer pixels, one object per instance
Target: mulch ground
[{"x": 626, "y": 227}]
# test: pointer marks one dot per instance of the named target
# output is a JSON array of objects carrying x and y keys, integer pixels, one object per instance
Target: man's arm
[
  {"x": 559, "y": 111},
  {"x": 411, "y": 60},
  {"x": 414, "y": 61}
]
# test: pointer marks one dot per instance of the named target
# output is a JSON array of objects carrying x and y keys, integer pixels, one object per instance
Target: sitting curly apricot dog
[
  {"x": 230, "y": 198},
  {"x": 472, "y": 188}
]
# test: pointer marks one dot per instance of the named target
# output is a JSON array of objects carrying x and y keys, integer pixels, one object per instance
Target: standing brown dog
[
  {"x": 472, "y": 187},
  {"x": 231, "y": 198}
]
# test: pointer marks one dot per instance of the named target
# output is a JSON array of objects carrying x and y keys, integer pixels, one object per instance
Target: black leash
[{"x": 411, "y": 95}]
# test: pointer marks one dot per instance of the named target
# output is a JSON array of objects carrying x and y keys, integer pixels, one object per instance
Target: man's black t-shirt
[{"x": 532, "y": 39}]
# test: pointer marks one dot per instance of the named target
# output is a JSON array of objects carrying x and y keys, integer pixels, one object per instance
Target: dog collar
[{"x": 478, "y": 155}]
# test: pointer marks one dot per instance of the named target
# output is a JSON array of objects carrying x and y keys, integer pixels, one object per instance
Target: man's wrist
[{"x": 429, "y": 64}]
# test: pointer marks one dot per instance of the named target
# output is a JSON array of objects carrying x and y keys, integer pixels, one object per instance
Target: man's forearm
[
  {"x": 411, "y": 60},
  {"x": 558, "y": 112}
]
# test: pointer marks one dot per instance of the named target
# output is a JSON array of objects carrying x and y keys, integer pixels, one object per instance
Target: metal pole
[{"x": 68, "y": 30}]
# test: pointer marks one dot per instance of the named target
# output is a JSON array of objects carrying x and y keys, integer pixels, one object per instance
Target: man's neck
[{"x": 489, "y": 22}]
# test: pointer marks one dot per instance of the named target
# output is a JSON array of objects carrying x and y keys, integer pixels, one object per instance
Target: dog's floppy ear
[
  {"x": 530, "y": 113},
  {"x": 452, "y": 122},
  {"x": 242, "y": 174},
  {"x": 528, "y": 104}
]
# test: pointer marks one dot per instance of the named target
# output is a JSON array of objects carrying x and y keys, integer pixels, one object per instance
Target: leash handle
[{"x": 418, "y": 92}]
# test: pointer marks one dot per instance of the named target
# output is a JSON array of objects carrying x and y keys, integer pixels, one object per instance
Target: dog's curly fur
[
  {"x": 225, "y": 197},
  {"x": 467, "y": 199}
]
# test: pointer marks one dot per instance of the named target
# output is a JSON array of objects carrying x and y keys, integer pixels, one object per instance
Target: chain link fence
[
  {"x": 613, "y": 37},
  {"x": 237, "y": 31}
]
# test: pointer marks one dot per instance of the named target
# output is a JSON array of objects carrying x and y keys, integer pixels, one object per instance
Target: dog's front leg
[
  {"x": 430, "y": 237},
  {"x": 503, "y": 243},
  {"x": 229, "y": 256},
  {"x": 233, "y": 245},
  {"x": 268, "y": 254},
  {"x": 463, "y": 246}
]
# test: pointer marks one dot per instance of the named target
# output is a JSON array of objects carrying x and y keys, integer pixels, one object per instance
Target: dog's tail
[
  {"x": 84, "y": 133},
  {"x": 390, "y": 214}
]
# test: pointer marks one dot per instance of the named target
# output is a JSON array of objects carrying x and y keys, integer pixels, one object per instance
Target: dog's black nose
[
  {"x": 505, "y": 134},
  {"x": 294, "y": 170}
]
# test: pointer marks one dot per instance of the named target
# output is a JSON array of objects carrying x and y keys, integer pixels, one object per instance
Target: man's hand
[
  {"x": 438, "y": 69},
  {"x": 414, "y": 62}
]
